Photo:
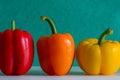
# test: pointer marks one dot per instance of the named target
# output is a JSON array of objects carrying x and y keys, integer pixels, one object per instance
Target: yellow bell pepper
[{"x": 99, "y": 56}]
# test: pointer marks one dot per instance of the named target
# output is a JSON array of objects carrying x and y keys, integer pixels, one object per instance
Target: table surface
[{"x": 35, "y": 73}]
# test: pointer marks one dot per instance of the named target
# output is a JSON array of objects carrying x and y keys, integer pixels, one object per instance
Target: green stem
[
  {"x": 13, "y": 25},
  {"x": 45, "y": 18},
  {"x": 104, "y": 34}
]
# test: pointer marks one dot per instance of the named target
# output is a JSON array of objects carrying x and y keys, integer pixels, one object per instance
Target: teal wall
[{"x": 82, "y": 18}]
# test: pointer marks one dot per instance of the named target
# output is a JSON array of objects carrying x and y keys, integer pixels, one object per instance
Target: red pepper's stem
[
  {"x": 45, "y": 18},
  {"x": 104, "y": 34},
  {"x": 13, "y": 25}
]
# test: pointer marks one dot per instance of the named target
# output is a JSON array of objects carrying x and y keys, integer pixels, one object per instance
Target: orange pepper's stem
[
  {"x": 45, "y": 18},
  {"x": 104, "y": 34},
  {"x": 12, "y": 25}
]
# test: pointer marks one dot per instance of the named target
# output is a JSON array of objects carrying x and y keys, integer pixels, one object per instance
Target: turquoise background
[{"x": 82, "y": 18}]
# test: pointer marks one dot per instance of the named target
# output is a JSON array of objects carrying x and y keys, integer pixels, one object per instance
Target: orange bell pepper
[
  {"x": 99, "y": 56},
  {"x": 56, "y": 53}
]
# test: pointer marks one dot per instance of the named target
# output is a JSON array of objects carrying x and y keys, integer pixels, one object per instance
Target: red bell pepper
[{"x": 17, "y": 51}]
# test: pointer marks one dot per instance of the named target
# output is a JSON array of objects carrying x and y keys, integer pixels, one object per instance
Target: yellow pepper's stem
[
  {"x": 45, "y": 18},
  {"x": 109, "y": 31},
  {"x": 12, "y": 25}
]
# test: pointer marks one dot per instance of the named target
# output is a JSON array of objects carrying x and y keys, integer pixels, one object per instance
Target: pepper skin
[
  {"x": 99, "y": 56},
  {"x": 0, "y": 43},
  {"x": 17, "y": 51},
  {"x": 56, "y": 53}
]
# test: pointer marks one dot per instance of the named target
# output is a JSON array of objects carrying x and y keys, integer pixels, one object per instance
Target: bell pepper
[
  {"x": 99, "y": 56},
  {"x": 55, "y": 52},
  {"x": 17, "y": 51}
]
